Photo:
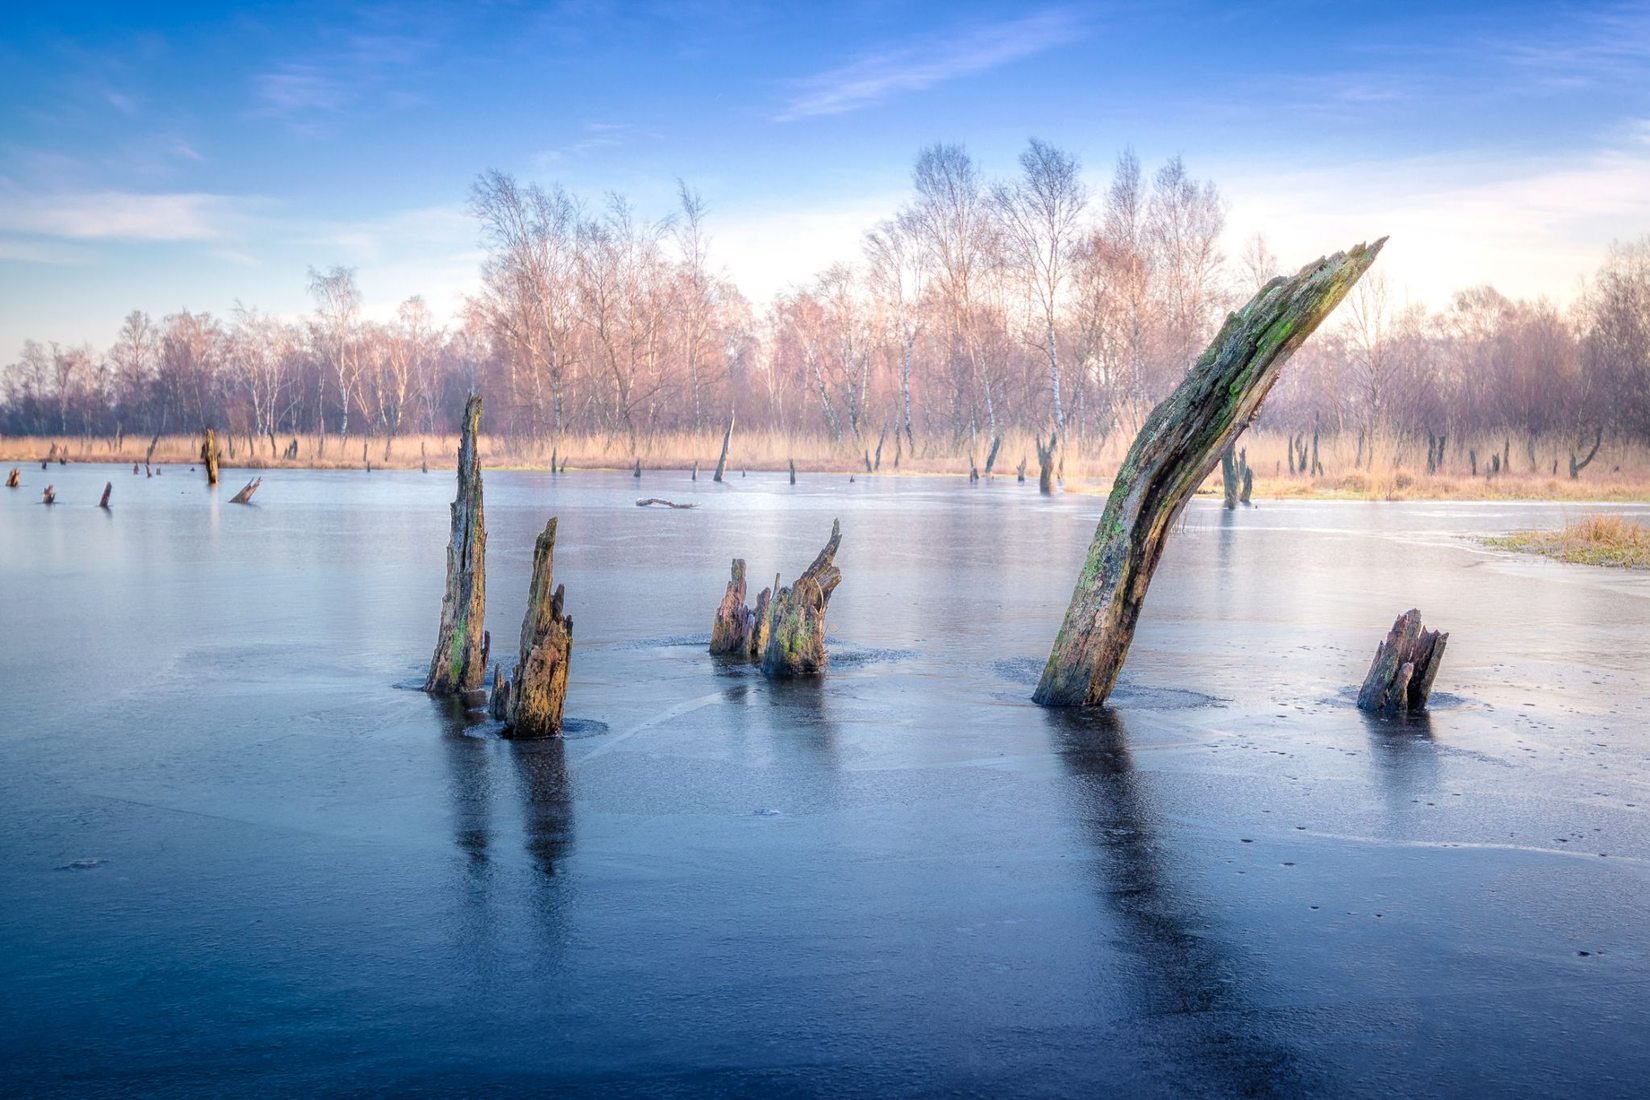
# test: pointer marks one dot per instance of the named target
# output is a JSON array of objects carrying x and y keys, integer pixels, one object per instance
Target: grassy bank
[
  {"x": 1390, "y": 473},
  {"x": 1591, "y": 540}
]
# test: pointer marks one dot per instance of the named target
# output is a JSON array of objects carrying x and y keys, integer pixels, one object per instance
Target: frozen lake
[{"x": 238, "y": 855}]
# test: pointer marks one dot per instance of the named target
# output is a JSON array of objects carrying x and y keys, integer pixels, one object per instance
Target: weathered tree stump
[
  {"x": 245, "y": 495},
  {"x": 108, "y": 487},
  {"x": 1020, "y": 473},
  {"x": 760, "y": 623},
  {"x": 1400, "y": 678},
  {"x": 793, "y": 471},
  {"x": 49, "y": 496},
  {"x": 1229, "y": 479},
  {"x": 1177, "y": 447},
  {"x": 637, "y": 472},
  {"x": 1045, "y": 460},
  {"x": 730, "y": 632},
  {"x": 722, "y": 461},
  {"x": 973, "y": 470},
  {"x": 1248, "y": 486},
  {"x": 1575, "y": 466},
  {"x": 536, "y": 693},
  {"x": 424, "y": 459},
  {"x": 13, "y": 479},
  {"x": 460, "y": 660},
  {"x": 796, "y": 616},
  {"x": 209, "y": 457},
  {"x": 694, "y": 476},
  {"x": 991, "y": 455}
]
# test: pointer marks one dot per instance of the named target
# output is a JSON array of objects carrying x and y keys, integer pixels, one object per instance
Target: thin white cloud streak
[
  {"x": 124, "y": 216},
  {"x": 921, "y": 65},
  {"x": 1531, "y": 227},
  {"x": 768, "y": 251}
]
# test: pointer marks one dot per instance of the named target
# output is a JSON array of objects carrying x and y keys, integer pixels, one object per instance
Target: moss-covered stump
[
  {"x": 535, "y": 695},
  {"x": 460, "y": 660},
  {"x": 1400, "y": 678},
  {"x": 730, "y": 632},
  {"x": 1176, "y": 449},
  {"x": 758, "y": 642},
  {"x": 796, "y": 616}
]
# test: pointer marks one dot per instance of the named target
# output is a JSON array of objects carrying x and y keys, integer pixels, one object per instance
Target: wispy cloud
[
  {"x": 356, "y": 70},
  {"x": 123, "y": 216},
  {"x": 919, "y": 65}
]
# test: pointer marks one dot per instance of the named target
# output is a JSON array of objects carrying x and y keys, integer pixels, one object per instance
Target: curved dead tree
[
  {"x": 245, "y": 495},
  {"x": 1400, "y": 678},
  {"x": 460, "y": 660},
  {"x": 1179, "y": 444},
  {"x": 531, "y": 701},
  {"x": 795, "y": 620},
  {"x": 722, "y": 461}
]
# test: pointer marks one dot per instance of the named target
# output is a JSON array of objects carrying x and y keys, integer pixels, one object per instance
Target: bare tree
[
  {"x": 338, "y": 311},
  {"x": 898, "y": 276}
]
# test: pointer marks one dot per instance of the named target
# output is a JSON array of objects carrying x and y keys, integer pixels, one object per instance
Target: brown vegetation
[{"x": 1591, "y": 540}]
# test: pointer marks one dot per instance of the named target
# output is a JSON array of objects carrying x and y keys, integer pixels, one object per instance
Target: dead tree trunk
[
  {"x": 722, "y": 462},
  {"x": 245, "y": 495},
  {"x": 793, "y": 471},
  {"x": 1400, "y": 679},
  {"x": 1045, "y": 460},
  {"x": 423, "y": 458},
  {"x": 209, "y": 457},
  {"x": 880, "y": 440},
  {"x": 1020, "y": 473},
  {"x": 796, "y": 616},
  {"x": 13, "y": 479},
  {"x": 637, "y": 472},
  {"x": 1229, "y": 479},
  {"x": 760, "y": 623},
  {"x": 730, "y": 632},
  {"x": 991, "y": 456},
  {"x": 108, "y": 487},
  {"x": 1179, "y": 444},
  {"x": 460, "y": 660},
  {"x": 535, "y": 695},
  {"x": 1577, "y": 467},
  {"x": 694, "y": 475},
  {"x": 49, "y": 496},
  {"x": 1248, "y": 486}
]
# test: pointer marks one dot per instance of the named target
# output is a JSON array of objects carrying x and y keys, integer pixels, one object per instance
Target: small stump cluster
[
  {"x": 785, "y": 632},
  {"x": 1400, "y": 679},
  {"x": 530, "y": 702}
]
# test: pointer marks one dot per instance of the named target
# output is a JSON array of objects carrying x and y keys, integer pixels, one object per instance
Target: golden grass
[
  {"x": 1591, "y": 540},
  {"x": 1620, "y": 474}
]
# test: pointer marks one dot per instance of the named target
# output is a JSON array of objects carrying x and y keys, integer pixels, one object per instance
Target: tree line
[{"x": 977, "y": 306}]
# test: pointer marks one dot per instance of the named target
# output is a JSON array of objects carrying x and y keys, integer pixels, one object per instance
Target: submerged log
[
  {"x": 722, "y": 462},
  {"x": 1400, "y": 678},
  {"x": 245, "y": 495},
  {"x": 536, "y": 693},
  {"x": 731, "y": 630},
  {"x": 108, "y": 487},
  {"x": 460, "y": 663},
  {"x": 796, "y": 616},
  {"x": 209, "y": 457},
  {"x": 645, "y": 501},
  {"x": 13, "y": 479},
  {"x": 1177, "y": 447}
]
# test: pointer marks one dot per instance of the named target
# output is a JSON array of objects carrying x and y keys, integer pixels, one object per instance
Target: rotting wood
[
  {"x": 645, "y": 501},
  {"x": 535, "y": 695},
  {"x": 730, "y": 631},
  {"x": 13, "y": 479},
  {"x": 49, "y": 496},
  {"x": 245, "y": 495},
  {"x": 796, "y": 616},
  {"x": 1400, "y": 678},
  {"x": 209, "y": 457},
  {"x": 459, "y": 663},
  {"x": 722, "y": 461},
  {"x": 1045, "y": 461},
  {"x": 108, "y": 487},
  {"x": 760, "y": 622},
  {"x": 1175, "y": 450}
]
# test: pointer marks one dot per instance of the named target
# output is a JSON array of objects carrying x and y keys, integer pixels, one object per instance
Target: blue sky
[{"x": 162, "y": 157}]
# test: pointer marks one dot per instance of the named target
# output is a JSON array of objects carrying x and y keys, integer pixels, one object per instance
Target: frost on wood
[
  {"x": 531, "y": 701},
  {"x": 1400, "y": 678},
  {"x": 460, "y": 660},
  {"x": 1178, "y": 446}
]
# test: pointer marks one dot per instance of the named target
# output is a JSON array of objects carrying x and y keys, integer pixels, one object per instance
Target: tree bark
[
  {"x": 13, "y": 479},
  {"x": 730, "y": 632},
  {"x": 1045, "y": 460},
  {"x": 245, "y": 495},
  {"x": 108, "y": 487},
  {"x": 1400, "y": 678},
  {"x": 1179, "y": 444},
  {"x": 760, "y": 623},
  {"x": 209, "y": 457},
  {"x": 460, "y": 660},
  {"x": 796, "y": 616},
  {"x": 722, "y": 462},
  {"x": 535, "y": 695}
]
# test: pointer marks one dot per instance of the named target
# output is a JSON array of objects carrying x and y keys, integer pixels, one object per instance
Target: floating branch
[
  {"x": 645, "y": 501},
  {"x": 795, "y": 618},
  {"x": 531, "y": 701},
  {"x": 245, "y": 495},
  {"x": 460, "y": 660},
  {"x": 1400, "y": 678},
  {"x": 1179, "y": 444}
]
